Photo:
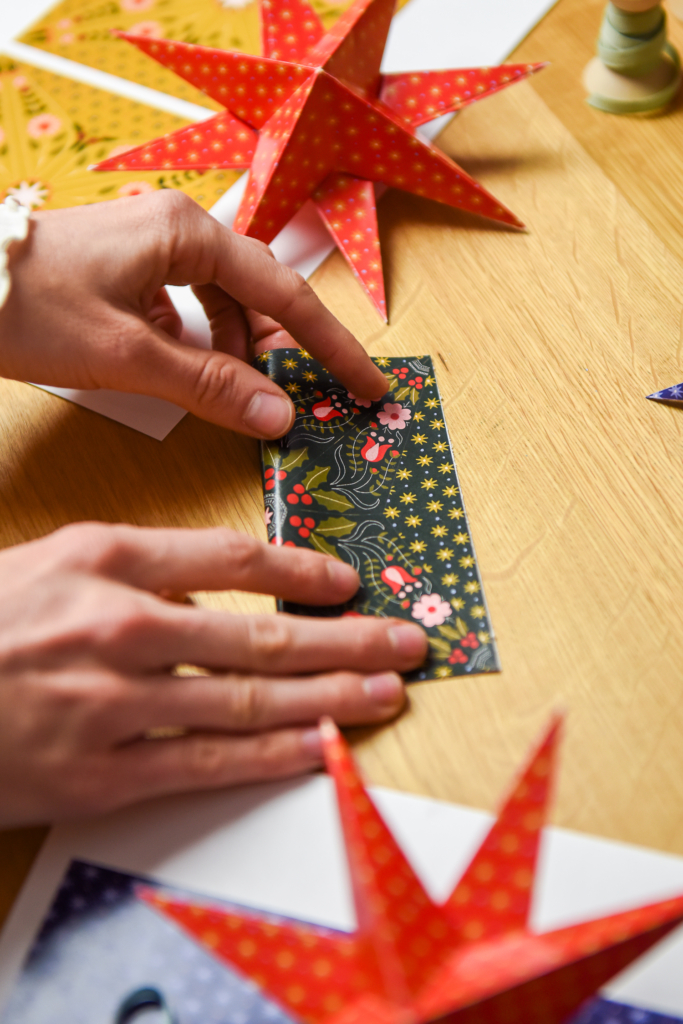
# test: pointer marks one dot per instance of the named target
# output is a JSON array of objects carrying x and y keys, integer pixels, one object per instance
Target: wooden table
[{"x": 546, "y": 345}]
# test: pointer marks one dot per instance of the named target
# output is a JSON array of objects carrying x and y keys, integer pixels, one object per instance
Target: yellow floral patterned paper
[
  {"x": 53, "y": 128},
  {"x": 81, "y": 30}
]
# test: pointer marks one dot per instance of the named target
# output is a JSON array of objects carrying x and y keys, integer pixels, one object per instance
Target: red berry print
[
  {"x": 307, "y": 499},
  {"x": 270, "y": 484},
  {"x": 457, "y": 658},
  {"x": 303, "y": 532},
  {"x": 293, "y": 499},
  {"x": 299, "y": 488},
  {"x": 281, "y": 474},
  {"x": 295, "y": 520},
  {"x": 269, "y": 472},
  {"x": 310, "y": 523},
  {"x": 469, "y": 641}
]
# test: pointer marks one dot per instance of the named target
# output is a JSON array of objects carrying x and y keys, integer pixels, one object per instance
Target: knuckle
[
  {"x": 128, "y": 623},
  {"x": 241, "y": 550},
  {"x": 205, "y": 760},
  {"x": 245, "y": 704},
  {"x": 83, "y": 544},
  {"x": 215, "y": 380},
  {"x": 269, "y": 639},
  {"x": 294, "y": 290}
]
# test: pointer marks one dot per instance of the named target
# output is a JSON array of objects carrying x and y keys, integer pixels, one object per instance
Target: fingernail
[
  {"x": 312, "y": 743},
  {"x": 269, "y": 415},
  {"x": 409, "y": 641},
  {"x": 342, "y": 576},
  {"x": 384, "y": 688}
]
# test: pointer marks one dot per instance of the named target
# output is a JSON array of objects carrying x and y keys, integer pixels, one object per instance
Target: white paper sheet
[
  {"x": 425, "y": 34},
  {"x": 278, "y": 847}
]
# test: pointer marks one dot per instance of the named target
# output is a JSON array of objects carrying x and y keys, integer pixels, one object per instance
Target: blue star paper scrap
[
  {"x": 375, "y": 484},
  {"x": 673, "y": 394}
]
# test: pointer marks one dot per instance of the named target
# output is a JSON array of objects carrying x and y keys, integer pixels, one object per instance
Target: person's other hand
[
  {"x": 88, "y": 309},
  {"x": 89, "y": 642}
]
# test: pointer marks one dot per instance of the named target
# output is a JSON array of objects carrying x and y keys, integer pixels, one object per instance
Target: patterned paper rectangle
[{"x": 376, "y": 485}]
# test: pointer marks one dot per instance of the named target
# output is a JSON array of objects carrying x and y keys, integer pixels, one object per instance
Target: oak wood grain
[{"x": 546, "y": 344}]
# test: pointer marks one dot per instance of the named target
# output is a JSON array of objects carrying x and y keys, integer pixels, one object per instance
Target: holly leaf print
[
  {"x": 461, "y": 627},
  {"x": 450, "y": 633},
  {"x": 270, "y": 454},
  {"x": 440, "y": 647},
  {"x": 337, "y": 527},
  {"x": 320, "y": 544},
  {"x": 333, "y": 500},
  {"x": 316, "y": 476},
  {"x": 294, "y": 459}
]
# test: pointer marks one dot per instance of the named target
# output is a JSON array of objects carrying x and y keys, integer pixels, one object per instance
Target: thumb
[{"x": 213, "y": 385}]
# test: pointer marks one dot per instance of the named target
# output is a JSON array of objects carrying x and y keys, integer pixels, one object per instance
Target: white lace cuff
[{"x": 13, "y": 228}]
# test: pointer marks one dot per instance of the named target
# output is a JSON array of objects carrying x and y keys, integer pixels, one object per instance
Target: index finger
[{"x": 247, "y": 270}]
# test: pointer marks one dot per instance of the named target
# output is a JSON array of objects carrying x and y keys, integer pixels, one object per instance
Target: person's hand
[
  {"x": 88, "y": 309},
  {"x": 89, "y": 641}
]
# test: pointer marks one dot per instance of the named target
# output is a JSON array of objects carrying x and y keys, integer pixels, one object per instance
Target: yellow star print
[
  {"x": 466, "y": 562},
  {"x": 440, "y": 446},
  {"x": 461, "y": 538},
  {"x": 424, "y": 460},
  {"x": 439, "y": 531},
  {"x": 436, "y": 424},
  {"x": 429, "y": 484},
  {"x": 445, "y": 468},
  {"x": 450, "y": 492},
  {"x": 450, "y": 579},
  {"x": 404, "y": 474},
  {"x": 419, "y": 438},
  {"x": 413, "y": 521},
  {"x": 382, "y": 361},
  {"x": 432, "y": 403},
  {"x": 455, "y": 513},
  {"x": 408, "y": 499},
  {"x": 457, "y": 603},
  {"x": 472, "y": 587},
  {"x": 391, "y": 513},
  {"x": 418, "y": 417},
  {"x": 310, "y": 376},
  {"x": 418, "y": 546},
  {"x": 292, "y": 388},
  {"x": 444, "y": 554},
  {"x": 434, "y": 506},
  {"x": 290, "y": 364},
  {"x": 477, "y": 611}
]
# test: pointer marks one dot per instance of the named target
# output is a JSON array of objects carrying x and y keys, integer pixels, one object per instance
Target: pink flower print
[
  {"x": 393, "y": 416},
  {"x": 43, "y": 126},
  {"x": 137, "y": 5},
  {"x": 136, "y": 188},
  {"x": 365, "y": 402},
  {"x": 147, "y": 29},
  {"x": 431, "y": 610}
]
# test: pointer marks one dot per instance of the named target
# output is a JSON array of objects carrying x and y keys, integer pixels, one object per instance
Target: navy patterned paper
[
  {"x": 375, "y": 484},
  {"x": 672, "y": 394}
]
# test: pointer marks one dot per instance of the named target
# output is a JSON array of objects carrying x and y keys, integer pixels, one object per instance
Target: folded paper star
[
  {"x": 473, "y": 959},
  {"x": 673, "y": 394},
  {"x": 314, "y": 118}
]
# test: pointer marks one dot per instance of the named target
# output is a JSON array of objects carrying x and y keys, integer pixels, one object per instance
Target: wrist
[{"x": 14, "y": 225}]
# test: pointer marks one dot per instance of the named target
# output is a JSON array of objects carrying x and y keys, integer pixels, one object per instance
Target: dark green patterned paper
[{"x": 376, "y": 485}]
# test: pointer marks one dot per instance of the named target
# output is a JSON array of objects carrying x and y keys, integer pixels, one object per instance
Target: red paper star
[
  {"x": 472, "y": 959},
  {"x": 315, "y": 118}
]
